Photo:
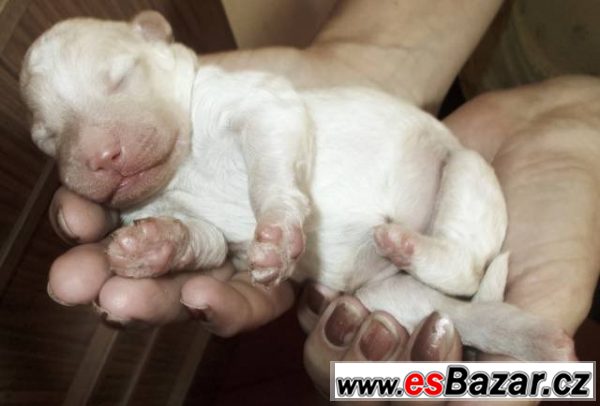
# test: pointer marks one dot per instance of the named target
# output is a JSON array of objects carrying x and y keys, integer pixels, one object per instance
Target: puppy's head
[{"x": 110, "y": 101}]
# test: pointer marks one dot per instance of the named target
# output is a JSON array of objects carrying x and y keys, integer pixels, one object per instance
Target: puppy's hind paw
[{"x": 395, "y": 243}]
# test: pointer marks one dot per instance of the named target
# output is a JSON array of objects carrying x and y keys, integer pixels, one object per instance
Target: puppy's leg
[
  {"x": 467, "y": 229},
  {"x": 275, "y": 140},
  {"x": 495, "y": 328},
  {"x": 500, "y": 328},
  {"x": 154, "y": 246}
]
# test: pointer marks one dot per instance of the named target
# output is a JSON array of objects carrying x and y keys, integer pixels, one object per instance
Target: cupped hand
[{"x": 544, "y": 143}]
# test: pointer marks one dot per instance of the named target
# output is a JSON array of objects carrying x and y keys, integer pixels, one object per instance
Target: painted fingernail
[
  {"x": 54, "y": 298},
  {"x": 434, "y": 340},
  {"x": 342, "y": 324},
  {"x": 202, "y": 314},
  {"x": 377, "y": 341},
  {"x": 315, "y": 300}
]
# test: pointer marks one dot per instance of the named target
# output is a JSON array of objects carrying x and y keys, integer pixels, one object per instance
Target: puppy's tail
[{"x": 493, "y": 282}]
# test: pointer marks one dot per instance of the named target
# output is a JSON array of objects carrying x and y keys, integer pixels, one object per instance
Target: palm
[{"x": 546, "y": 171}]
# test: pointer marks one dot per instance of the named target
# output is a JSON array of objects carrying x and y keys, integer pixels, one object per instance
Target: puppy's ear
[
  {"x": 152, "y": 26},
  {"x": 43, "y": 138}
]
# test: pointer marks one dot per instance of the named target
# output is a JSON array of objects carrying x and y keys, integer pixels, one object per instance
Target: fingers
[
  {"x": 229, "y": 307},
  {"x": 137, "y": 302},
  {"x": 347, "y": 332},
  {"x": 314, "y": 300},
  {"x": 331, "y": 338},
  {"x": 82, "y": 276},
  {"x": 144, "y": 302},
  {"x": 380, "y": 338},
  {"x": 77, "y": 276},
  {"x": 76, "y": 219},
  {"x": 435, "y": 339}
]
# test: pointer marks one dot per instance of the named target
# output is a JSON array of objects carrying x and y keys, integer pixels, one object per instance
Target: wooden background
[{"x": 49, "y": 354}]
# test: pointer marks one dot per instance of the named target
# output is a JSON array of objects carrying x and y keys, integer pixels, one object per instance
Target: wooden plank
[
  {"x": 11, "y": 12},
  {"x": 14, "y": 246},
  {"x": 188, "y": 369},
  {"x": 91, "y": 366},
  {"x": 140, "y": 367}
]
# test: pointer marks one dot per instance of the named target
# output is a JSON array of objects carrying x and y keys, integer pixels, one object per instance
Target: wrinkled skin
[{"x": 543, "y": 142}]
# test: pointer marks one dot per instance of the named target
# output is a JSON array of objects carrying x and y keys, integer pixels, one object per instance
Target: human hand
[
  {"x": 82, "y": 276},
  {"x": 342, "y": 329},
  {"x": 544, "y": 143}
]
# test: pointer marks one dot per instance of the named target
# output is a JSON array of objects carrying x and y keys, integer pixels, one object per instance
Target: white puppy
[{"x": 346, "y": 186}]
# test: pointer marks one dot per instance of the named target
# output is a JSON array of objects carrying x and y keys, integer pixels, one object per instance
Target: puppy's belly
[
  {"x": 350, "y": 196},
  {"x": 375, "y": 166},
  {"x": 340, "y": 250},
  {"x": 376, "y": 160}
]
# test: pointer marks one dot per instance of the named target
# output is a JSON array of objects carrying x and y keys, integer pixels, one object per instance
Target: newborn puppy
[{"x": 346, "y": 186}]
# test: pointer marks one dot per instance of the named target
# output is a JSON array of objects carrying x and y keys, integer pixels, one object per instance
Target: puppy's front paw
[
  {"x": 395, "y": 243},
  {"x": 274, "y": 252},
  {"x": 147, "y": 248}
]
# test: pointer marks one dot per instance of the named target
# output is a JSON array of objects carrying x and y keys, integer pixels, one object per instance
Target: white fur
[
  {"x": 375, "y": 158},
  {"x": 338, "y": 161}
]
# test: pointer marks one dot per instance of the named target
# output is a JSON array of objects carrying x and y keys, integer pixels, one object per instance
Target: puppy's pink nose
[{"x": 106, "y": 157}]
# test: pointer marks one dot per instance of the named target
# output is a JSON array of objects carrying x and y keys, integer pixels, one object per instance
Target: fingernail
[
  {"x": 119, "y": 323},
  {"x": 342, "y": 325},
  {"x": 60, "y": 217},
  {"x": 434, "y": 340},
  {"x": 377, "y": 341},
  {"x": 315, "y": 300},
  {"x": 106, "y": 317},
  {"x": 202, "y": 314},
  {"x": 54, "y": 298},
  {"x": 122, "y": 324}
]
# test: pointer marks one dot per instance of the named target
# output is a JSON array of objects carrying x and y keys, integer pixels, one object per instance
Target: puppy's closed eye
[{"x": 120, "y": 71}]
